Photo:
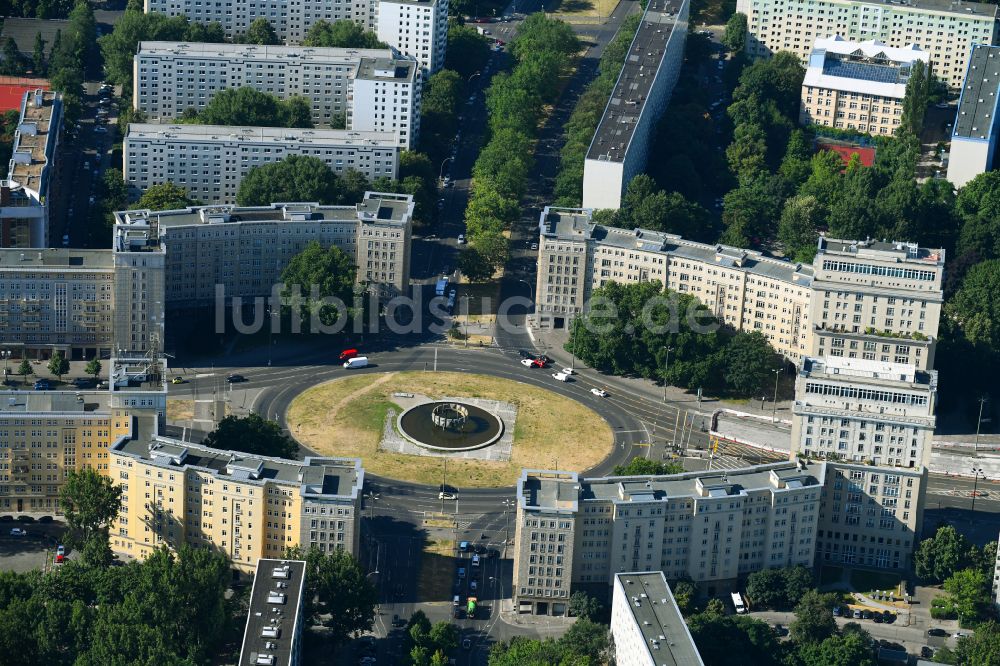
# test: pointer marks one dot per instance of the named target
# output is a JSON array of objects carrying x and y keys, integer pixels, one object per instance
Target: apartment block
[
  {"x": 244, "y": 249},
  {"x": 45, "y": 435},
  {"x": 864, "y": 411},
  {"x": 647, "y": 627},
  {"x": 996, "y": 579},
  {"x": 369, "y": 89},
  {"x": 418, "y": 28},
  {"x": 743, "y": 288},
  {"x": 712, "y": 526},
  {"x": 944, "y": 29},
  {"x": 24, "y": 194},
  {"x": 273, "y": 634},
  {"x": 857, "y": 85},
  {"x": 974, "y": 135},
  {"x": 870, "y": 516},
  {"x": 248, "y": 507},
  {"x": 642, "y": 92},
  {"x": 210, "y": 161}
]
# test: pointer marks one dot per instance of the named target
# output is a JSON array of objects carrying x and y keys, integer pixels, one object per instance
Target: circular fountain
[{"x": 450, "y": 426}]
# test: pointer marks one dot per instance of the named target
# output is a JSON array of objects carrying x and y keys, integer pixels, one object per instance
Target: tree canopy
[
  {"x": 90, "y": 502},
  {"x": 164, "y": 196},
  {"x": 467, "y": 52},
  {"x": 342, "y": 34},
  {"x": 252, "y": 434},
  {"x": 321, "y": 273},
  {"x": 778, "y": 588},
  {"x": 942, "y": 555},
  {"x": 249, "y": 107},
  {"x": 261, "y": 32},
  {"x": 294, "y": 178},
  {"x": 338, "y": 595},
  {"x": 644, "y": 466}
]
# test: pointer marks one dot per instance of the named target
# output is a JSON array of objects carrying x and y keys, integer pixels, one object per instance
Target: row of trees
[
  {"x": 429, "y": 645},
  {"x": 542, "y": 51},
  {"x": 343, "y": 34},
  {"x": 42, "y": 9},
  {"x": 778, "y": 588},
  {"x": 586, "y": 643},
  {"x": 965, "y": 570},
  {"x": 646, "y": 331},
  {"x": 587, "y": 114},
  {"x": 249, "y": 107}
]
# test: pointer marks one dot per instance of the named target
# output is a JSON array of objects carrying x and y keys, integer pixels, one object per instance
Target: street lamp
[
  {"x": 576, "y": 341},
  {"x": 666, "y": 360},
  {"x": 508, "y": 504},
  {"x": 976, "y": 472},
  {"x": 6, "y": 356},
  {"x": 979, "y": 423},
  {"x": 465, "y": 297},
  {"x": 472, "y": 76},
  {"x": 774, "y": 407},
  {"x": 441, "y": 170}
]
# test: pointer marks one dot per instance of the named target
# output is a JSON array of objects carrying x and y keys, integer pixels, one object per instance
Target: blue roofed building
[
  {"x": 974, "y": 135},
  {"x": 857, "y": 85}
]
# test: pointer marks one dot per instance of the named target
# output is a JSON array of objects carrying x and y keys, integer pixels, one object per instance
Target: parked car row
[{"x": 864, "y": 614}]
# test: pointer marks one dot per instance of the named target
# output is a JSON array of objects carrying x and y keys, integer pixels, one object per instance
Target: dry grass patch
[
  {"x": 568, "y": 9},
  {"x": 180, "y": 410},
  {"x": 437, "y": 567},
  {"x": 551, "y": 431}
]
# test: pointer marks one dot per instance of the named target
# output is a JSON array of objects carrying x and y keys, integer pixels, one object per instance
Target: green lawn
[{"x": 871, "y": 581}]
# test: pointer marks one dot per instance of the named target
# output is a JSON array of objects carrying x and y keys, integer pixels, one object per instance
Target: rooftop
[
  {"x": 977, "y": 106},
  {"x": 94, "y": 402},
  {"x": 386, "y": 207},
  {"x": 868, "y": 67},
  {"x": 56, "y": 259},
  {"x": 884, "y": 250},
  {"x": 944, "y": 6},
  {"x": 658, "y": 619},
  {"x": 858, "y": 370},
  {"x": 260, "y": 52},
  {"x": 563, "y": 490},
  {"x": 280, "y": 135},
  {"x": 273, "y": 619},
  {"x": 576, "y": 224},
  {"x": 33, "y": 142},
  {"x": 316, "y": 477},
  {"x": 387, "y": 68},
  {"x": 627, "y": 101},
  {"x": 138, "y": 373}
]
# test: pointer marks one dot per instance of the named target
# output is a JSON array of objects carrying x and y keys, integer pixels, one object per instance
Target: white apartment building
[
  {"x": 943, "y": 29},
  {"x": 248, "y": 507},
  {"x": 244, "y": 249},
  {"x": 856, "y": 85},
  {"x": 418, "y": 28},
  {"x": 642, "y": 92},
  {"x": 171, "y": 77},
  {"x": 713, "y": 527},
  {"x": 743, "y": 288},
  {"x": 24, "y": 209},
  {"x": 996, "y": 579},
  {"x": 974, "y": 136},
  {"x": 647, "y": 627},
  {"x": 210, "y": 161},
  {"x": 870, "y": 516},
  {"x": 275, "y": 638}
]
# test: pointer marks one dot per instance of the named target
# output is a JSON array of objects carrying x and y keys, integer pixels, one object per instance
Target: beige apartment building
[
  {"x": 943, "y": 29},
  {"x": 44, "y": 435},
  {"x": 248, "y": 507},
  {"x": 713, "y": 527},
  {"x": 244, "y": 249},
  {"x": 854, "y": 85},
  {"x": 742, "y": 288},
  {"x": 24, "y": 194}
]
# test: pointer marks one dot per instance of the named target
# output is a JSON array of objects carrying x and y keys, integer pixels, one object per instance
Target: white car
[
  {"x": 561, "y": 376},
  {"x": 101, "y": 129},
  {"x": 568, "y": 371},
  {"x": 527, "y": 362},
  {"x": 600, "y": 393},
  {"x": 65, "y": 240},
  {"x": 446, "y": 496},
  {"x": 461, "y": 239}
]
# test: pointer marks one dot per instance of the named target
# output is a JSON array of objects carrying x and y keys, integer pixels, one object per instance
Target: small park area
[{"x": 346, "y": 417}]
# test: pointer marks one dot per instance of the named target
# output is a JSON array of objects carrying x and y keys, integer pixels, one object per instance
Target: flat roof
[
  {"x": 272, "y": 621},
  {"x": 977, "y": 105},
  {"x": 56, "y": 259},
  {"x": 40, "y": 112},
  {"x": 316, "y": 477},
  {"x": 944, "y": 6},
  {"x": 642, "y": 65},
  {"x": 213, "y": 51},
  {"x": 385, "y": 207},
  {"x": 82, "y": 403},
  {"x": 659, "y": 620},
  {"x": 382, "y": 68},
  {"x": 863, "y": 371},
  {"x": 893, "y": 251},
  {"x": 868, "y": 67},
  {"x": 281, "y": 135}
]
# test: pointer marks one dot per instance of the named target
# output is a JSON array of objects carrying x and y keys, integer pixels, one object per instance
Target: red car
[{"x": 348, "y": 354}]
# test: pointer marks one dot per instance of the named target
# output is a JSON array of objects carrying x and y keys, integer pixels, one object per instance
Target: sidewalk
[{"x": 551, "y": 342}]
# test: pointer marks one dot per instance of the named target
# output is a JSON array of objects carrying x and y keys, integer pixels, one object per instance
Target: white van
[{"x": 356, "y": 362}]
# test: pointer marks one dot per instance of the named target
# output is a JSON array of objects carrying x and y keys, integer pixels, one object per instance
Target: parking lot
[{"x": 32, "y": 551}]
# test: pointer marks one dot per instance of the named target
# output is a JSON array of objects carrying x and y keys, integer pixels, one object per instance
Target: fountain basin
[{"x": 450, "y": 426}]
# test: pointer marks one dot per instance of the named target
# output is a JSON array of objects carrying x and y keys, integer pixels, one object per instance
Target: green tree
[
  {"x": 976, "y": 306},
  {"x": 583, "y": 605},
  {"x": 915, "y": 99},
  {"x": 644, "y": 467},
  {"x": 942, "y": 555},
  {"x": 164, "y": 196},
  {"x": 329, "y": 272},
  {"x": 444, "y": 637},
  {"x": 978, "y": 208},
  {"x": 814, "y": 621},
  {"x": 295, "y": 178},
  {"x": 297, "y": 112},
  {"x": 261, "y": 32},
  {"x": 749, "y": 361},
  {"x": 38, "y": 55},
  {"x": 337, "y": 589},
  {"x": 539, "y": 33},
  {"x": 58, "y": 365},
  {"x": 981, "y": 648},
  {"x": 12, "y": 65},
  {"x": 25, "y": 369},
  {"x": 467, "y": 52},
  {"x": 685, "y": 594},
  {"x": 493, "y": 247},
  {"x": 720, "y": 637},
  {"x": 342, "y": 34},
  {"x": 252, "y": 434},
  {"x": 735, "y": 37},
  {"x": 474, "y": 265},
  {"x": 797, "y": 231},
  {"x": 766, "y": 589},
  {"x": 90, "y": 501},
  {"x": 848, "y": 649},
  {"x": 93, "y": 367},
  {"x": 970, "y": 592},
  {"x": 244, "y": 106}
]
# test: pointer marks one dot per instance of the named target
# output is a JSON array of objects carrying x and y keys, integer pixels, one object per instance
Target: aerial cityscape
[{"x": 476, "y": 332}]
